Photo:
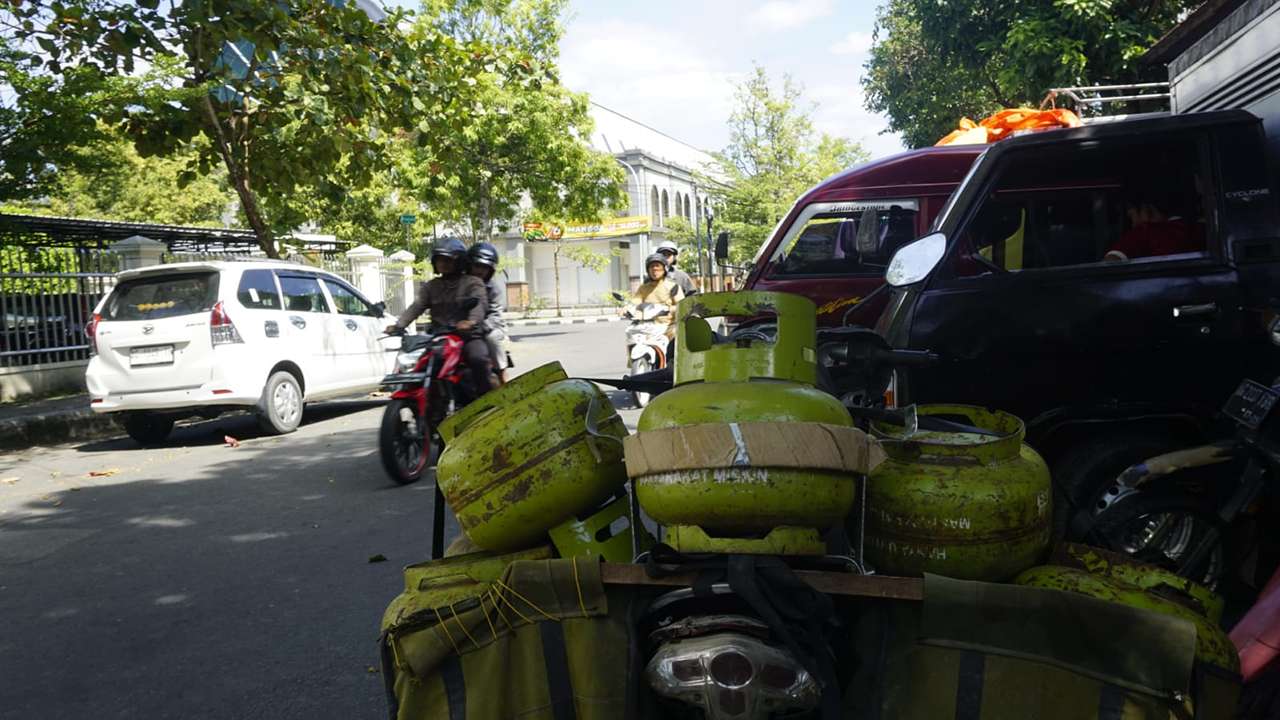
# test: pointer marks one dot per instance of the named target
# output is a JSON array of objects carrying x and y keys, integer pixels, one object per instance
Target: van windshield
[
  {"x": 848, "y": 238},
  {"x": 155, "y": 297}
]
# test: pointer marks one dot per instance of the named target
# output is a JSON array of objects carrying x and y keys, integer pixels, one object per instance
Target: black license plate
[{"x": 1251, "y": 403}]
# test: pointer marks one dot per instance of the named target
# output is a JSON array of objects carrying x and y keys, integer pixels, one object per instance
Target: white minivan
[{"x": 199, "y": 338}]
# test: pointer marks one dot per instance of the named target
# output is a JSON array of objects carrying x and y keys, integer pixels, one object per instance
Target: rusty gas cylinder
[
  {"x": 969, "y": 505},
  {"x": 528, "y": 456},
  {"x": 744, "y": 454}
]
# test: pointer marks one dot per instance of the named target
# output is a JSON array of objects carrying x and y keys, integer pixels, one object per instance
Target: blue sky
[{"x": 673, "y": 65}]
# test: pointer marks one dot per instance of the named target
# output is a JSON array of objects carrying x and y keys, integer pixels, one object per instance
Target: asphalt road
[{"x": 198, "y": 580}]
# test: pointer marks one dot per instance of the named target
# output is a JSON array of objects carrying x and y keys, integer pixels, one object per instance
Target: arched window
[
  {"x": 688, "y": 211},
  {"x": 679, "y": 205},
  {"x": 654, "y": 218},
  {"x": 666, "y": 209}
]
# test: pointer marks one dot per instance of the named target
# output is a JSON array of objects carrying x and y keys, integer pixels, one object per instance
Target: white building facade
[{"x": 662, "y": 183}]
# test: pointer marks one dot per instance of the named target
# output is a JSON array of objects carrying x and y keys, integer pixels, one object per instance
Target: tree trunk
[
  {"x": 249, "y": 202},
  {"x": 240, "y": 181},
  {"x": 555, "y": 264}
]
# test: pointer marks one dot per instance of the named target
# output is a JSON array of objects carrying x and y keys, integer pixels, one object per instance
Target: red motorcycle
[{"x": 430, "y": 381}]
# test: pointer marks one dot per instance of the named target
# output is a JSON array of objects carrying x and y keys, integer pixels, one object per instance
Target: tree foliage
[
  {"x": 296, "y": 96},
  {"x": 522, "y": 140},
  {"x": 49, "y": 122},
  {"x": 935, "y": 61},
  {"x": 123, "y": 185},
  {"x": 773, "y": 157}
]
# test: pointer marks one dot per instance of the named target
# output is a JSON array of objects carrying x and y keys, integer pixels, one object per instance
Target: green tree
[
  {"x": 521, "y": 140},
  {"x": 125, "y": 186},
  {"x": 49, "y": 122},
  {"x": 935, "y": 61},
  {"x": 294, "y": 96},
  {"x": 773, "y": 157}
]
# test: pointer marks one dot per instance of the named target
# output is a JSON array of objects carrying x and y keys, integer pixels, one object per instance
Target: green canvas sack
[
  {"x": 985, "y": 651},
  {"x": 541, "y": 639}
]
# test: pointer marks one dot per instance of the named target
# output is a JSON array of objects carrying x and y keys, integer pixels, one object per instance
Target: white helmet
[{"x": 667, "y": 245}]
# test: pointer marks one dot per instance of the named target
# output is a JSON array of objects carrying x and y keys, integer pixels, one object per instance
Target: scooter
[
  {"x": 1152, "y": 518},
  {"x": 647, "y": 341},
  {"x": 430, "y": 381}
]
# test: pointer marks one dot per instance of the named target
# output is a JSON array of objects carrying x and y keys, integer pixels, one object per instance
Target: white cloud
[
  {"x": 788, "y": 14},
  {"x": 653, "y": 74},
  {"x": 841, "y": 112},
  {"x": 855, "y": 43}
]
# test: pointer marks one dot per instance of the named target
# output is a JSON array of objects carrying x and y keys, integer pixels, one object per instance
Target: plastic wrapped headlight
[
  {"x": 406, "y": 361},
  {"x": 732, "y": 677}
]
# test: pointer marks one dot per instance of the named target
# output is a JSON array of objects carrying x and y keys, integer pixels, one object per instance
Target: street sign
[{"x": 408, "y": 219}]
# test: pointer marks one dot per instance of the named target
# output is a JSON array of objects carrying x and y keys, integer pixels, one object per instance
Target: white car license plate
[{"x": 151, "y": 355}]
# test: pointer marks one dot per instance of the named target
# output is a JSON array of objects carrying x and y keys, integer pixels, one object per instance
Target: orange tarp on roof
[{"x": 1004, "y": 123}]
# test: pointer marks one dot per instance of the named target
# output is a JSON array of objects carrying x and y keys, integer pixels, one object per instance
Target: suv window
[
  {"x": 1090, "y": 203},
  {"x": 302, "y": 294},
  {"x": 154, "y": 297},
  {"x": 850, "y": 238},
  {"x": 346, "y": 299},
  {"x": 258, "y": 290}
]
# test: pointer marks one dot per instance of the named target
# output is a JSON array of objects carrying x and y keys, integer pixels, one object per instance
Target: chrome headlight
[
  {"x": 406, "y": 361},
  {"x": 730, "y": 675}
]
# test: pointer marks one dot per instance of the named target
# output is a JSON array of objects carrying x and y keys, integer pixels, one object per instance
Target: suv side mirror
[
  {"x": 722, "y": 246},
  {"x": 914, "y": 261},
  {"x": 378, "y": 309}
]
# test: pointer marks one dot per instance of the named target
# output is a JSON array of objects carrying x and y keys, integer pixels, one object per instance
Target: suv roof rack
[{"x": 1097, "y": 100}]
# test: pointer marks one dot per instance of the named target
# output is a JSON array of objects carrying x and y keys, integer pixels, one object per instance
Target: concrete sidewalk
[
  {"x": 53, "y": 421},
  {"x": 522, "y": 322}
]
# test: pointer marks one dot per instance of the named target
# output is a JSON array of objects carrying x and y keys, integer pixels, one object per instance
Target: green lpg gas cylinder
[
  {"x": 752, "y": 500},
  {"x": 967, "y": 505},
  {"x": 528, "y": 456},
  {"x": 1212, "y": 644}
]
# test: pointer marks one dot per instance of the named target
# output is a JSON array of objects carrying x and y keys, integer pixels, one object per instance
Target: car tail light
[
  {"x": 731, "y": 675},
  {"x": 91, "y": 332},
  {"x": 221, "y": 329}
]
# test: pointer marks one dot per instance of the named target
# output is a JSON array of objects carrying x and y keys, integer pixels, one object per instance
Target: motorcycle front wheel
[
  {"x": 1164, "y": 529},
  {"x": 404, "y": 442},
  {"x": 640, "y": 366}
]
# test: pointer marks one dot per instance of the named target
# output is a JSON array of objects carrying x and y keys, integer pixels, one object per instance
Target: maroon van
[{"x": 834, "y": 244}]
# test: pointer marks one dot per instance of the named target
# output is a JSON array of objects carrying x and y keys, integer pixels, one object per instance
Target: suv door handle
[
  {"x": 351, "y": 324},
  {"x": 1195, "y": 311},
  {"x": 297, "y": 321}
]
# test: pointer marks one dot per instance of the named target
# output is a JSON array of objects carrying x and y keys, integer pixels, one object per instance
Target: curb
[
  {"x": 562, "y": 321},
  {"x": 56, "y": 428}
]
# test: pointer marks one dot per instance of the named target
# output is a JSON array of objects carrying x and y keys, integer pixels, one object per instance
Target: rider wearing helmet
[
  {"x": 669, "y": 251},
  {"x": 658, "y": 289},
  {"x": 484, "y": 265},
  {"x": 444, "y": 295}
]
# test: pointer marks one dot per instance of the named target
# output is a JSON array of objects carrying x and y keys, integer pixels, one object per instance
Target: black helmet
[
  {"x": 655, "y": 258},
  {"x": 482, "y": 253},
  {"x": 449, "y": 247}
]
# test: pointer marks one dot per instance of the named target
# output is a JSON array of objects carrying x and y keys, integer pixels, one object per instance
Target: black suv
[{"x": 1111, "y": 284}]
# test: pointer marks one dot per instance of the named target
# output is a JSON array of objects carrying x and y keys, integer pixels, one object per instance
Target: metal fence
[
  {"x": 44, "y": 315},
  {"x": 53, "y": 273},
  {"x": 47, "y": 295}
]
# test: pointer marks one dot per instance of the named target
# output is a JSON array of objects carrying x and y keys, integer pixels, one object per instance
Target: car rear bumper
[{"x": 201, "y": 397}]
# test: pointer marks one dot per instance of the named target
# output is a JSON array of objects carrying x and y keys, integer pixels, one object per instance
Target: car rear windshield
[{"x": 162, "y": 296}]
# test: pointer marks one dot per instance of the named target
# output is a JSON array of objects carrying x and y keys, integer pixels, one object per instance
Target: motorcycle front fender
[{"x": 640, "y": 350}]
